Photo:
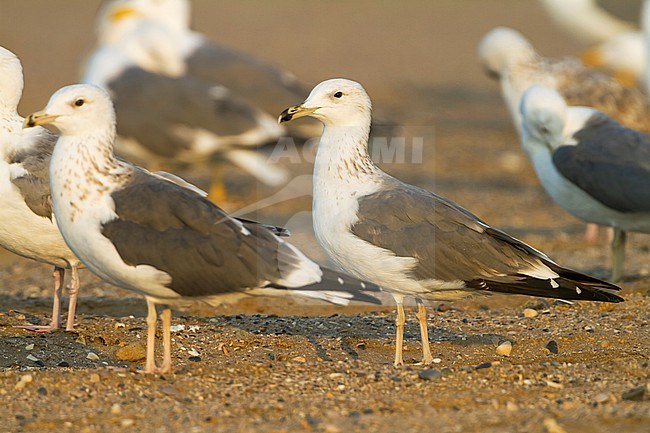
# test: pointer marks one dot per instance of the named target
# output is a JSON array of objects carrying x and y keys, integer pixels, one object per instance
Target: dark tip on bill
[{"x": 285, "y": 116}]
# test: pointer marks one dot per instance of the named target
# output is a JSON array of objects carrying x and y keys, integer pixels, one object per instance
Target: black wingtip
[{"x": 567, "y": 289}]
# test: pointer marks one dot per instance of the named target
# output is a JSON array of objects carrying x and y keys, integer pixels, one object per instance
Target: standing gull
[
  {"x": 159, "y": 239},
  {"x": 590, "y": 165},
  {"x": 408, "y": 240},
  {"x": 27, "y": 224}
]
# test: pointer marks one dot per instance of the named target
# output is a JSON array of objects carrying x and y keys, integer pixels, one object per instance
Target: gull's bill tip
[
  {"x": 38, "y": 118},
  {"x": 295, "y": 112}
]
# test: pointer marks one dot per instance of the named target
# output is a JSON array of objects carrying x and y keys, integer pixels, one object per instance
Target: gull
[
  {"x": 28, "y": 226},
  {"x": 143, "y": 233},
  {"x": 408, "y": 240},
  {"x": 590, "y": 165},
  {"x": 164, "y": 27}
]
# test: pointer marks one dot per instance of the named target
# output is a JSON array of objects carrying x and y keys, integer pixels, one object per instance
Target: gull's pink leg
[
  {"x": 73, "y": 290},
  {"x": 58, "y": 276},
  {"x": 166, "y": 317},
  {"x": 399, "y": 334},
  {"x": 150, "y": 365},
  {"x": 424, "y": 333}
]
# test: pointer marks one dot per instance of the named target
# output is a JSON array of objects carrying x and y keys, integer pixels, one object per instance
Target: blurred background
[{"x": 382, "y": 44}]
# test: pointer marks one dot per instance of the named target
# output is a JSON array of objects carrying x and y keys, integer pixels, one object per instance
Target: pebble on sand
[
  {"x": 504, "y": 348},
  {"x": 92, "y": 356},
  {"x": 552, "y": 347},
  {"x": 602, "y": 398},
  {"x": 639, "y": 393},
  {"x": 23, "y": 381},
  {"x": 429, "y": 374},
  {"x": 529, "y": 313},
  {"x": 552, "y": 426},
  {"x": 132, "y": 352}
]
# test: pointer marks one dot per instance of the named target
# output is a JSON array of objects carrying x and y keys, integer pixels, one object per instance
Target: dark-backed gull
[{"x": 590, "y": 165}]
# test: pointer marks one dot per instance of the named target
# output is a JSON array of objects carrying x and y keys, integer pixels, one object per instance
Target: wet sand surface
[{"x": 285, "y": 365}]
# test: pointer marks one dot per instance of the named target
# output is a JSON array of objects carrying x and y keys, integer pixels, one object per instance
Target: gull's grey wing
[
  {"x": 35, "y": 184},
  {"x": 611, "y": 163},
  {"x": 205, "y": 252},
  {"x": 153, "y": 109},
  {"x": 451, "y": 244},
  {"x": 260, "y": 83}
]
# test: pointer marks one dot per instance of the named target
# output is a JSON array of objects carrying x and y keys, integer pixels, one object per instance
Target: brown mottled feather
[{"x": 581, "y": 86}]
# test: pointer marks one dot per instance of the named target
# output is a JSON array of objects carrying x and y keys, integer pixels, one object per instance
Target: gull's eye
[
  {"x": 79, "y": 102},
  {"x": 338, "y": 94}
]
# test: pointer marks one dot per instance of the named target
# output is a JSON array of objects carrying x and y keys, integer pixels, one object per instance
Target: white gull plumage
[
  {"x": 615, "y": 42},
  {"x": 587, "y": 21}
]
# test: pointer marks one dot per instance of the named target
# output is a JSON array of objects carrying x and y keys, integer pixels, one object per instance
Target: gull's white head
[
  {"x": 78, "y": 110},
  {"x": 502, "y": 46},
  {"x": 11, "y": 80},
  {"x": 544, "y": 115},
  {"x": 336, "y": 102}
]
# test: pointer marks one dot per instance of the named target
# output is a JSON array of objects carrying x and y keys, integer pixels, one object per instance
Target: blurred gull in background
[
  {"x": 591, "y": 21},
  {"x": 507, "y": 55},
  {"x": 510, "y": 57},
  {"x": 166, "y": 113},
  {"x": 590, "y": 165}
]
